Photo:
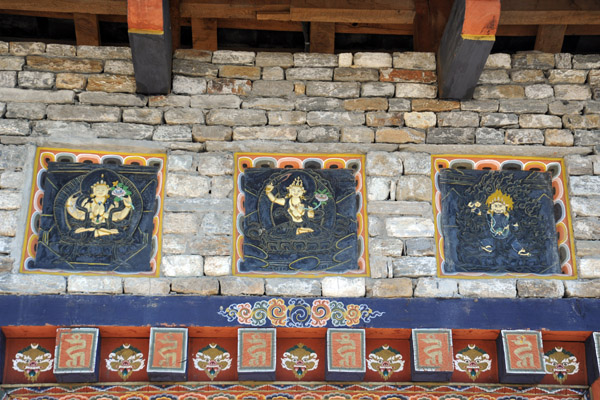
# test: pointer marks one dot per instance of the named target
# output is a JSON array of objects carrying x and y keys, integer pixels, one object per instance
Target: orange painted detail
[
  {"x": 145, "y": 16},
  {"x": 523, "y": 352},
  {"x": 75, "y": 350},
  {"x": 346, "y": 350},
  {"x": 256, "y": 349},
  {"x": 595, "y": 390},
  {"x": 168, "y": 349},
  {"x": 434, "y": 351},
  {"x": 481, "y": 17}
]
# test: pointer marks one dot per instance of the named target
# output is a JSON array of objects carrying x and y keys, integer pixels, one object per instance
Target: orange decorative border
[
  {"x": 566, "y": 242},
  {"x": 248, "y": 160},
  {"x": 44, "y": 155}
]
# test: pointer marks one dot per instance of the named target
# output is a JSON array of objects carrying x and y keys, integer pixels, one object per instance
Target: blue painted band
[{"x": 188, "y": 311}]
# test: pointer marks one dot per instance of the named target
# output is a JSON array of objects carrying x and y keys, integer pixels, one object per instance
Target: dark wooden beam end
[{"x": 466, "y": 44}]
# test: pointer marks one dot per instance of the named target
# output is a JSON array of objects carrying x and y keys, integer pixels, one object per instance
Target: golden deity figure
[
  {"x": 296, "y": 209},
  {"x": 98, "y": 210},
  {"x": 500, "y": 222}
]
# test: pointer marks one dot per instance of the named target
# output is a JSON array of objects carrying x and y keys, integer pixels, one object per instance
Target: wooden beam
[
  {"x": 204, "y": 34},
  {"x": 374, "y": 29},
  {"x": 283, "y": 26},
  {"x": 377, "y": 12},
  {"x": 87, "y": 29},
  {"x": 550, "y": 38},
  {"x": 175, "y": 23},
  {"x": 151, "y": 45},
  {"x": 322, "y": 37},
  {"x": 227, "y": 9},
  {"x": 118, "y": 7},
  {"x": 517, "y": 30},
  {"x": 583, "y": 30},
  {"x": 431, "y": 18},
  {"x": 465, "y": 46},
  {"x": 544, "y": 17}
]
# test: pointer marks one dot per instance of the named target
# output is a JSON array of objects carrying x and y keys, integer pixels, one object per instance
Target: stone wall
[{"x": 378, "y": 104}]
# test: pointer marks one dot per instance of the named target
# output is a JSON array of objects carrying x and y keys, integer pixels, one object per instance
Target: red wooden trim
[
  {"x": 145, "y": 16},
  {"x": 595, "y": 390},
  {"x": 481, "y": 17}
]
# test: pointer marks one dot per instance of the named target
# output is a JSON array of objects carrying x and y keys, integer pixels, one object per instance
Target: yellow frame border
[
  {"x": 28, "y": 234},
  {"x": 509, "y": 275},
  {"x": 363, "y": 212}
]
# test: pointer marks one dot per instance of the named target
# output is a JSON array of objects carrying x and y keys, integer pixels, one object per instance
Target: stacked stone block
[{"x": 379, "y": 104}]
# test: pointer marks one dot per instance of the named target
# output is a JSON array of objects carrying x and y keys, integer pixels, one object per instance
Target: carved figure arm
[{"x": 272, "y": 197}]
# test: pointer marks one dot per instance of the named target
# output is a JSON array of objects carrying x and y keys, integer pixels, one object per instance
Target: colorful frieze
[
  {"x": 77, "y": 354},
  {"x": 520, "y": 356},
  {"x": 94, "y": 212},
  {"x": 300, "y": 215},
  {"x": 386, "y": 361},
  {"x": 346, "y": 358},
  {"x": 475, "y": 361},
  {"x": 257, "y": 353},
  {"x": 501, "y": 216},
  {"x": 316, "y": 391},
  {"x": 299, "y": 313},
  {"x": 125, "y": 360},
  {"x": 167, "y": 355},
  {"x": 432, "y": 354},
  {"x": 472, "y": 361},
  {"x": 560, "y": 363}
]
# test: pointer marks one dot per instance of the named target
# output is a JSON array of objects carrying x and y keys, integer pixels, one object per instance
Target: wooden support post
[
  {"x": 430, "y": 19},
  {"x": 204, "y": 34},
  {"x": 322, "y": 37},
  {"x": 87, "y": 29},
  {"x": 549, "y": 38},
  {"x": 465, "y": 46},
  {"x": 151, "y": 44}
]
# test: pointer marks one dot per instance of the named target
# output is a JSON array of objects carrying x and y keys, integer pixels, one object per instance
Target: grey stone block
[
  {"x": 182, "y": 265},
  {"x": 187, "y": 85},
  {"x": 146, "y": 286},
  {"x": 355, "y": 74},
  {"x": 235, "y": 286},
  {"x": 519, "y": 106},
  {"x": 36, "y": 96},
  {"x": 320, "y": 134},
  {"x": 32, "y": 284},
  {"x": 309, "y": 74},
  {"x": 409, "y": 227},
  {"x": 262, "y": 103},
  {"x": 318, "y": 104},
  {"x": 26, "y": 110},
  {"x": 123, "y": 131},
  {"x": 197, "y": 286},
  {"x": 83, "y": 113},
  {"x": 166, "y": 133},
  {"x": 233, "y": 57},
  {"x": 181, "y": 185},
  {"x": 292, "y": 287},
  {"x": 36, "y": 80},
  {"x": 209, "y": 101},
  {"x": 540, "y": 288},
  {"x": 333, "y": 118},
  {"x": 190, "y": 116},
  {"x": 272, "y": 88},
  {"x": 432, "y": 287},
  {"x": 236, "y": 117},
  {"x": 343, "y": 90},
  {"x": 94, "y": 284},
  {"x": 381, "y": 163},
  {"x": 488, "y": 288},
  {"x": 265, "y": 133},
  {"x": 489, "y": 136},
  {"x": 451, "y": 135},
  {"x": 194, "y": 68},
  {"x": 149, "y": 116},
  {"x": 378, "y": 89},
  {"x": 420, "y": 247},
  {"x": 458, "y": 119}
]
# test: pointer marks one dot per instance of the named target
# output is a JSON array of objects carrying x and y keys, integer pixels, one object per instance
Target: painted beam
[
  {"x": 2, "y": 355},
  {"x": 151, "y": 44},
  {"x": 466, "y": 44},
  {"x": 221, "y": 311}
]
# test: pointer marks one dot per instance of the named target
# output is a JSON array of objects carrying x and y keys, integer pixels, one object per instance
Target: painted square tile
[
  {"x": 300, "y": 215},
  {"x": 94, "y": 213},
  {"x": 502, "y": 217},
  {"x": 167, "y": 354},
  {"x": 77, "y": 354}
]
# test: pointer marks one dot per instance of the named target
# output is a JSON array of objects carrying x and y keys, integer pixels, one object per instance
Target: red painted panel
[
  {"x": 145, "y": 15},
  {"x": 31, "y": 365},
  {"x": 382, "y": 354},
  {"x": 123, "y": 359},
  {"x": 480, "y": 369},
  {"x": 212, "y": 357},
  {"x": 565, "y": 363},
  {"x": 308, "y": 367}
]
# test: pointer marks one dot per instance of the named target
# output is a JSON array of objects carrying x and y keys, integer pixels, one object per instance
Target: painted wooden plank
[
  {"x": 465, "y": 47},
  {"x": 322, "y": 37},
  {"x": 175, "y": 23},
  {"x": 87, "y": 29},
  {"x": 346, "y": 358},
  {"x": 167, "y": 354},
  {"x": 110, "y": 7},
  {"x": 432, "y": 355},
  {"x": 97, "y": 310},
  {"x": 2, "y": 354},
  {"x": 151, "y": 45},
  {"x": 520, "y": 356},
  {"x": 76, "y": 358},
  {"x": 204, "y": 34},
  {"x": 550, "y": 38},
  {"x": 550, "y": 17},
  {"x": 592, "y": 354},
  {"x": 257, "y": 349}
]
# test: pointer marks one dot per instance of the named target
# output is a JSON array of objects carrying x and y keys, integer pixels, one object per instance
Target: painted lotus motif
[
  {"x": 125, "y": 360},
  {"x": 32, "y": 361},
  {"x": 300, "y": 360},
  {"x": 561, "y": 363},
  {"x": 212, "y": 359},
  {"x": 385, "y": 360},
  {"x": 473, "y": 361}
]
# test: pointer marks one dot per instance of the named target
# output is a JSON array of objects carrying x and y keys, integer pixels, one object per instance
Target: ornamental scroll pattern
[{"x": 297, "y": 313}]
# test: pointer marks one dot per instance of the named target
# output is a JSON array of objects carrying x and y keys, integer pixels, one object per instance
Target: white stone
[
  {"x": 414, "y": 266},
  {"x": 32, "y": 284},
  {"x": 217, "y": 266},
  {"x": 373, "y": 60},
  {"x": 416, "y": 90},
  {"x": 292, "y": 287},
  {"x": 420, "y": 120},
  {"x": 335, "y": 286},
  {"x": 146, "y": 286},
  {"x": 383, "y": 163},
  {"x": 378, "y": 188},
  {"x": 488, "y": 288},
  {"x": 414, "y": 60},
  {"x": 413, "y": 188},
  {"x": 498, "y": 61},
  {"x": 95, "y": 284},
  {"x": 539, "y": 92},
  {"x": 588, "y": 267},
  {"x": 344, "y": 60},
  {"x": 432, "y": 287},
  {"x": 187, "y": 185},
  {"x": 182, "y": 265},
  {"x": 215, "y": 164},
  {"x": 406, "y": 227}
]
